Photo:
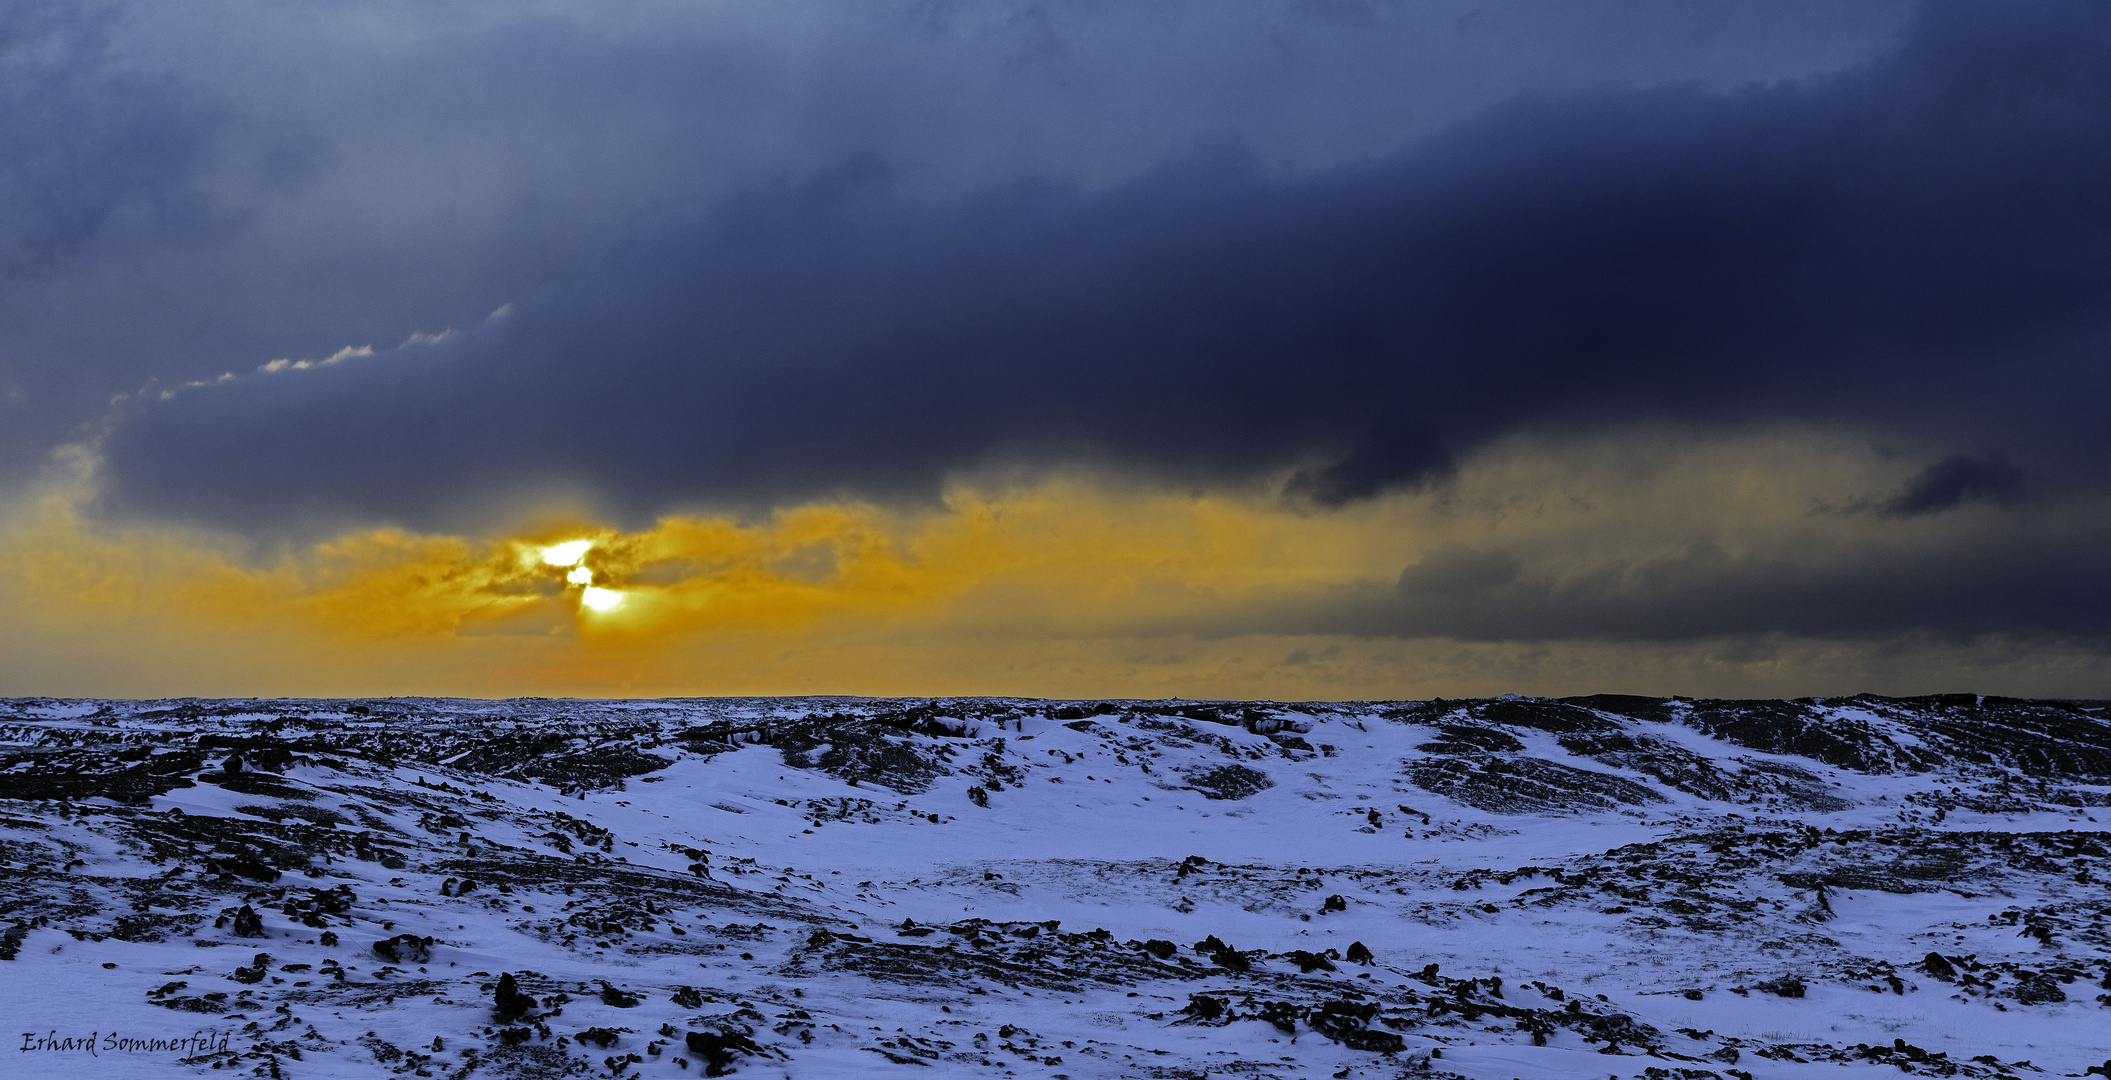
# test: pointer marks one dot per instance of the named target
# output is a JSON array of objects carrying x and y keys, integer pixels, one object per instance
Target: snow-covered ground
[{"x": 1513, "y": 887}]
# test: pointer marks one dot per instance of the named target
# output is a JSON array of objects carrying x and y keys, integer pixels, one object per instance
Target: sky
[{"x": 1287, "y": 349}]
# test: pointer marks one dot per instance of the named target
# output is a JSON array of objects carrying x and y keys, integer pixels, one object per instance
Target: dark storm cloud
[
  {"x": 99, "y": 161},
  {"x": 1922, "y": 245},
  {"x": 2034, "y": 585},
  {"x": 1954, "y": 481},
  {"x": 203, "y": 187},
  {"x": 83, "y": 139}
]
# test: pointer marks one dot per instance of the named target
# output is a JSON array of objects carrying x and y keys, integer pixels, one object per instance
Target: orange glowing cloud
[{"x": 1066, "y": 586}]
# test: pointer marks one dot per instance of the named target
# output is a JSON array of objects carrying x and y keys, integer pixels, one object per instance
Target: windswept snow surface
[{"x": 1512, "y": 887}]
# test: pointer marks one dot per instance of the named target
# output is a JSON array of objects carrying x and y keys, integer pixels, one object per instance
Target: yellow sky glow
[{"x": 1070, "y": 586}]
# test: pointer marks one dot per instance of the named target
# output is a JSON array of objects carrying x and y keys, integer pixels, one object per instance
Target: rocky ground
[{"x": 1606, "y": 886}]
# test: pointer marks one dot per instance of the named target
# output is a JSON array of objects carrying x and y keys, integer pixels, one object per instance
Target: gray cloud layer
[
  {"x": 204, "y": 188},
  {"x": 1922, "y": 245}
]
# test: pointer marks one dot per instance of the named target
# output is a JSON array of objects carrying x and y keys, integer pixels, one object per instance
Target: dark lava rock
[
  {"x": 1159, "y": 948},
  {"x": 1345, "y": 1022},
  {"x": 206, "y": 1004},
  {"x": 1939, "y": 967},
  {"x": 1228, "y": 781},
  {"x": 1640, "y": 708},
  {"x": 508, "y": 1003},
  {"x": 716, "y": 1049},
  {"x": 865, "y": 750},
  {"x": 601, "y": 1036},
  {"x": 313, "y": 909},
  {"x": 151, "y": 926},
  {"x": 1282, "y": 1014},
  {"x": 1222, "y": 955},
  {"x": 242, "y": 866},
  {"x": 1796, "y": 786},
  {"x": 1524, "y": 785},
  {"x": 1669, "y": 763},
  {"x": 570, "y": 758},
  {"x": 1376, "y": 1042},
  {"x": 1359, "y": 954},
  {"x": 1791, "y": 986},
  {"x": 1460, "y": 739},
  {"x": 2037, "y": 988},
  {"x": 254, "y": 973},
  {"x": 1799, "y": 728},
  {"x": 247, "y": 923},
  {"x": 1203, "y": 1007},
  {"x": 1084, "y": 710},
  {"x": 1541, "y": 715},
  {"x": 404, "y": 949},
  {"x": 616, "y": 998},
  {"x": 1308, "y": 962},
  {"x": 75, "y": 781}
]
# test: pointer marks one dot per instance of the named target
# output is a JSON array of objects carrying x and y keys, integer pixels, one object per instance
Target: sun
[
  {"x": 566, "y": 554},
  {"x": 601, "y": 599}
]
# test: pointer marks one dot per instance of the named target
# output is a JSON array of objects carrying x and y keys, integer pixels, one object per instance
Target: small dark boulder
[
  {"x": 1334, "y": 903},
  {"x": 1203, "y": 1007},
  {"x": 1937, "y": 965},
  {"x": 1282, "y": 1014},
  {"x": 1229, "y": 782},
  {"x": 716, "y": 1050},
  {"x": 2038, "y": 988},
  {"x": 1359, "y": 954},
  {"x": 508, "y": 1003},
  {"x": 1159, "y": 948},
  {"x": 1376, "y": 1042},
  {"x": 1789, "y": 986},
  {"x": 1309, "y": 962},
  {"x": 247, "y": 923},
  {"x": 1223, "y": 955},
  {"x": 1345, "y": 1022},
  {"x": 11, "y": 940},
  {"x": 404, "y": 949},
  {"x": 615, "y": 998},
  {"x": 246, "y": 866}
]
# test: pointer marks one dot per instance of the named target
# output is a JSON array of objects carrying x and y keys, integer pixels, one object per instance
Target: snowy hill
[{"x": 1606, "y": 886}]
